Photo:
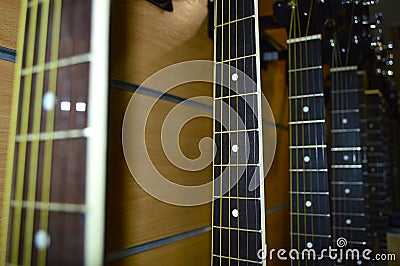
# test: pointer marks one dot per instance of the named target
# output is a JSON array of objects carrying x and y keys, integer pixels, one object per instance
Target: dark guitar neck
[
  {"x": 349, "y": 216},
  {"x": 377, "y": 173},
  {"x": 309, "y": 193},
  {"x": 238, "y": 204}
]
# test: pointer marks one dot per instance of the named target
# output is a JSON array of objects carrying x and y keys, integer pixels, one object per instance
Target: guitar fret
[
  {"x": 234, "y": 21},
  {"x": 311, "y": 214},
  {"x": 234, "y": 198},
  {"x": 343, "y": 69},
  {"x": 345, "y": 166},
  {"x": 236, "y": 58},
  {"x": 237, "y": 229},
  {"x": 308, "y": 170},
  {"x": 303, "y": 39},
  {"x": 347, "y": 199},
  {"x": 350, "y": 130},
  {"x": 235, "y": 95},
  {"x": 56, "y": 135},
  {"x": 349, "y": 228},
  {"x": 309, "y": 193},
  {"x": 307, "y": 122},
  {"x": 244, "y": 165},
  {"x": 243, "y": 260},
  {"x": 310, "y": 235},
  {"x": 349, "y": 214},
  {"x": 74, "y": 60},
  {"x": 344, "y": 111},
  {"x": 345, "y": 91},
  {"x": 50, "y": 206},
  {"x": 346, "y": 149},
  {"x": 304, "y": 69},
  {"x": 307, "y": 147},
  {"x": 357, "y": 243},
  {"x": 306, "y": 96},
  {"x": 236, "y": 131},
  {"x": 347, "y": 183}
]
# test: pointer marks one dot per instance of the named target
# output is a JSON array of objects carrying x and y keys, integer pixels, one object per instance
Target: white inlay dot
[
  {"x": 65, "y": 106},
  {"x": 344, "y": 121},
  {"x": 348, "y": 221},
  {"x": 80, "y": 107},
  {"x": 306, "y": 109},
  {"x": 49, "y": 101},
  {"x": 42, "y": 240},
  {"x": 346, "y": 157},
  {"x": 235, "y": 148},
  {"x": 309, "y": 245},
  {"x": 235, "y": 77},
  {"x": 359, "y": 262},
  {"x": 339, "y": 260},
  {"x": 308, "y": 204},
  {"x": 347, "y": 191},
  {"x": 235, "y": 213},
  {"x": 307, "y": 159}
]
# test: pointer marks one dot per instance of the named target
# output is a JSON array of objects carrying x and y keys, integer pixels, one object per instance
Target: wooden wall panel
[
  {"x": 133, "y": 216},
  {"x": 194, "y": 251},
  {"x": 9, "y": 17},
  {"x": 146, "y": 39},
  {"x": 6, "y": 88}
]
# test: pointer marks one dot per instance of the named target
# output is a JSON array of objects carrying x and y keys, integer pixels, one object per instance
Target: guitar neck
[
  {"x": 377, "y": 175},
  {"x": 55, "y": 185},
  {"x": 309, "y": 188},
  {"x": 348, "y": 156},
  {"x": 238, "y": 203}
]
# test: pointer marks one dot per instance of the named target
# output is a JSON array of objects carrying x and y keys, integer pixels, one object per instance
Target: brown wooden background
[{"x": 145, "y": 39}]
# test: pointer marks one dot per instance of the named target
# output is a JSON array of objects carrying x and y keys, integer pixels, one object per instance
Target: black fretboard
[
  {"x": 348, "y": 161},
  {"x": 310, "y": 210},
  {"x": 238, "y": 205},
  {"x": 377, "y": 173}
]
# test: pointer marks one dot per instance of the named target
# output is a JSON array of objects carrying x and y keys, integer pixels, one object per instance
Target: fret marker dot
[
  {"x": 235, "y": 213},
  {"x": 308, "y": 204},
  {"x": 344, "y": 121},
  {"x": 347, "y": 191},
  {"x": 306, "y": 109},
  {"x": 309, "y": 245},
  {"x": 339, "y": 260},
  {"x": 65, "y": 106},
  {"x": 235, "y": 148},
  {"x": 235, "y": 77},
  {"x": 42, "y": 240},
  {"x": 49, "y": 101},
  {"x": 348, "y": 221},
  {"x": 359, "y": 262},
  {"x": 346, "y": 157},
  {"x": 307, "y": 159},
  {"x": 80, "y": 107}
]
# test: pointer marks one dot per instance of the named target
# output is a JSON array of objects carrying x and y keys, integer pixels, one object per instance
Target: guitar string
[
  {"x": 48, "y": 145},
  {"x": 22, "y": 149},
  {"x": 237, "y": 135},
  {"x": 11, "y": 149},
  {"x": 229, "y": 135},
  {"x": 37, "y": 112}
]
